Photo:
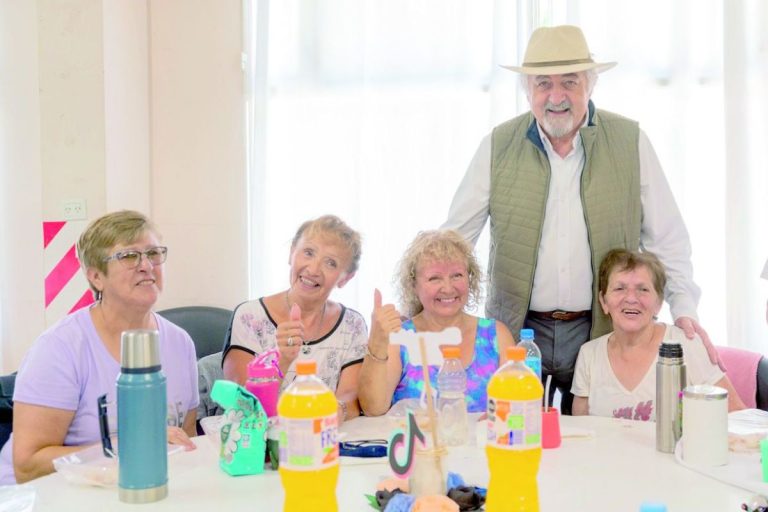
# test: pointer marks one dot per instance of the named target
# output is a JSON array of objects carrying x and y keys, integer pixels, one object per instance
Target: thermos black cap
[
  {"x": 670, "y": 350},
  {"x": 140, "y": 350}
]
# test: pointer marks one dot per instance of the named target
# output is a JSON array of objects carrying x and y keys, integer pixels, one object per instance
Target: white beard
[{"x": 559, "y": 127}]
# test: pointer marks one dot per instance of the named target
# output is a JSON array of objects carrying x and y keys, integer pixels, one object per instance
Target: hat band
[{"x": 557, "y": 63}]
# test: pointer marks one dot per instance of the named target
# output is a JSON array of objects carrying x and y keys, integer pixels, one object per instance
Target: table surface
[{"x": 615, "y": 468}]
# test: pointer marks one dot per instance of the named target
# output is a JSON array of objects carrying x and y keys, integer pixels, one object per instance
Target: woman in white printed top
[{"x": 302, "y": 322}]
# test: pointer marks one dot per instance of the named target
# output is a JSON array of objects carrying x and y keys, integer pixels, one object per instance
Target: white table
[{"x": 614, "y": 470}]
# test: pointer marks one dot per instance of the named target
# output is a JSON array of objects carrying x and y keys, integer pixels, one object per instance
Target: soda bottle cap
[
  {"x": 515, "y": 353},
  {"x": 306, "y": 367},
  {"x": 526, "y": 334},
  {"x": 451, "y": 352}
]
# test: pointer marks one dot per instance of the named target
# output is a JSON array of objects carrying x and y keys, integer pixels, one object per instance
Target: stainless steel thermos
[
  {"x": 670, "y": 382},
  {"x": 142, "y": 437}
]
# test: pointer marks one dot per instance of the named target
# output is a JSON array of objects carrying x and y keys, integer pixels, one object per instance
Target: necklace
[{"x": 305, "y": 348}]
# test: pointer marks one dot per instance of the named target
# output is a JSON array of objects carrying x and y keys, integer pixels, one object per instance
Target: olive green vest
[{"x": 520, "y": 172}]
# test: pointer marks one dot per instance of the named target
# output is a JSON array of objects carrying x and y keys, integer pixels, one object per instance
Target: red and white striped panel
[{"x": 66, "y": 288}]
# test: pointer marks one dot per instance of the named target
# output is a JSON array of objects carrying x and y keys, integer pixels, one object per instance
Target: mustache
[{"x": 563, "y": 105}]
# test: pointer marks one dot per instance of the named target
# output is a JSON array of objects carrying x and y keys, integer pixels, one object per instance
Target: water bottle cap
[
  {"x": 139, "y": 349},
  {"x": 526, "y": 334},
  {"x": 306, "y": 367},
  {"x": 515, "y": 353},
  {"x": 451, "y": 352},
  {"x": 653, "y": 507}
]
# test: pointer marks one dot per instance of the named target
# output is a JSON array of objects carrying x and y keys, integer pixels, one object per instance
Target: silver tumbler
[{"x": 670, "y": 382}]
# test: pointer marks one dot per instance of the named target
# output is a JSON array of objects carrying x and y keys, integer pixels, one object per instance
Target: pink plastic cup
[{"x": 550, "y": 428}]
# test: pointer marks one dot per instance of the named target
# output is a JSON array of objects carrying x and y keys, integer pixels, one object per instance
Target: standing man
[{"x": 563, "y": 184}]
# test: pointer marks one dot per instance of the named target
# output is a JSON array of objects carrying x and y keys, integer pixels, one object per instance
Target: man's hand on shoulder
[{"x": 691, "y": 328}]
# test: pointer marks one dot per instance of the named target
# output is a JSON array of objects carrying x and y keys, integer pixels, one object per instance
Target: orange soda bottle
[
  {"x": 514, "y": 436},
  {"x": 308, "y": 440}
]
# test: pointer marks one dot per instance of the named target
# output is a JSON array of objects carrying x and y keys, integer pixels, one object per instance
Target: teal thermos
[{"x": 142, "y": 437}]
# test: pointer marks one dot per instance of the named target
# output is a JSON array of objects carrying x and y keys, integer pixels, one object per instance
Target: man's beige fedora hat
[{"x": 558, "y": 50}]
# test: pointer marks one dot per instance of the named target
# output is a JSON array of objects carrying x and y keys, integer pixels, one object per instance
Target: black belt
[{"x": 565, "y": 316}]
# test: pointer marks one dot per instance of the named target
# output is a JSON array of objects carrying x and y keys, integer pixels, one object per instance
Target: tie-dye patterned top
[{"x": 484, "y": 363}]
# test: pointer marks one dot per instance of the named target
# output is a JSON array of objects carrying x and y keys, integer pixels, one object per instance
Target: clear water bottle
[
  {"x": 451, "y": 398},
  {"x": 532, "y": 352}
]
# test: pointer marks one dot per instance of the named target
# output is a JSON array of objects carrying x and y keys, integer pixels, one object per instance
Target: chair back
[
  {"x": 208, "y": 372},
  {"x": 762, "y": 384},
  {"x": 742, "y": 370},
  {"x": 7, "y": 384},
  {"x": 208, "y": 326}
]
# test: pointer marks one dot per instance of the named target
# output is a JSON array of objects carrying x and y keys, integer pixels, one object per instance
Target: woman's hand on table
[
  {"x": 177, "y": 436},
  {"x": 290, "y": 337}
]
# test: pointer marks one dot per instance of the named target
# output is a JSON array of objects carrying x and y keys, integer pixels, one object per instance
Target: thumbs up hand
[
  {"x": 385, "y": 319},
  {"x": 290, "y": 337},
  {"x": 295, "y": 313}
]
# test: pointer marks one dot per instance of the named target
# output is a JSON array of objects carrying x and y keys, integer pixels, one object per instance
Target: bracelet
[
  {"x": 374, "y": 357},
  {"x": 343, "y": 406}
]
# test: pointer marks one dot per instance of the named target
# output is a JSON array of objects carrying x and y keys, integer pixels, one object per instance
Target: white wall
[
  {"x": 139, "y": 106},
  {"x": 21, "y": 284},
  {"x": 199, "y": 193}
]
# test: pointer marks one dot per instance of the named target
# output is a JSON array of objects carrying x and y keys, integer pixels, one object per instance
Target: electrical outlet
[{"x": 74, "y": 209}]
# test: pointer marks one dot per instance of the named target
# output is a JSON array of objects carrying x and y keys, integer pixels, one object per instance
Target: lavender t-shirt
[{"x": 68, "y": 367}]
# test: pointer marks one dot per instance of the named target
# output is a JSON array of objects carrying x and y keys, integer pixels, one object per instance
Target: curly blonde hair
[{"x": 435, "y": 245}]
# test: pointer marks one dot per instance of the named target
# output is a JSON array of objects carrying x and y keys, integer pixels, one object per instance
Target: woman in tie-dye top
[{"x": 438, "y": 278}]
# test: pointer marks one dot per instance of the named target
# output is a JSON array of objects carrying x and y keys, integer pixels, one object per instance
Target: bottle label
[
  {"x": 309, "y": 444},
  {"x": 514, "y": 424},
  {"x": 534, "y": 363}
]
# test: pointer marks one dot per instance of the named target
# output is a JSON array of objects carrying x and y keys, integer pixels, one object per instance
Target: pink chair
[{"x": 742, "y": 370}]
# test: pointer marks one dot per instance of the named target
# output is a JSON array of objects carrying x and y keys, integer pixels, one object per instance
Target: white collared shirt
[{"x": 563, "y": 276}]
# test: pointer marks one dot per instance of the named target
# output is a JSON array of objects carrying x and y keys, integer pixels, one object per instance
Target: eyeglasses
[{"x": 132, "y": 259}]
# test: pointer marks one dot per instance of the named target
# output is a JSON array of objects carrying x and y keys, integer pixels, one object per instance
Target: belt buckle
[{"x": 560, "y": 315}]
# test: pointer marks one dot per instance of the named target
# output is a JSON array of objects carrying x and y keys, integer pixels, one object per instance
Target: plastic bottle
[
  {"x": 141, "y": 419},
  {"x": 532, "y": 352},
  {"x": 514, "y": 436},
  {"x": 452, "y": 398},
  {"x": 670, "y": 382},
  {"x": 264, "y": 380},
  {"x": 309, "y": 448}
]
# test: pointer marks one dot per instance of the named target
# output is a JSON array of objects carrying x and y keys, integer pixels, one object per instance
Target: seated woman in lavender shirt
[
  {"x": 78, "y": 359},
  {"x": 438, "y": 278},
  {"x": 616, "y": 373}
]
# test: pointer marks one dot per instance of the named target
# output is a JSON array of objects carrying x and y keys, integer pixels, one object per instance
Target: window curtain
[{"x": 370, "y": 110}]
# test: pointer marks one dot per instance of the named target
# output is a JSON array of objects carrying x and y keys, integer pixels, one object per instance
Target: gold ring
[{"x": 290, "y": 341}]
